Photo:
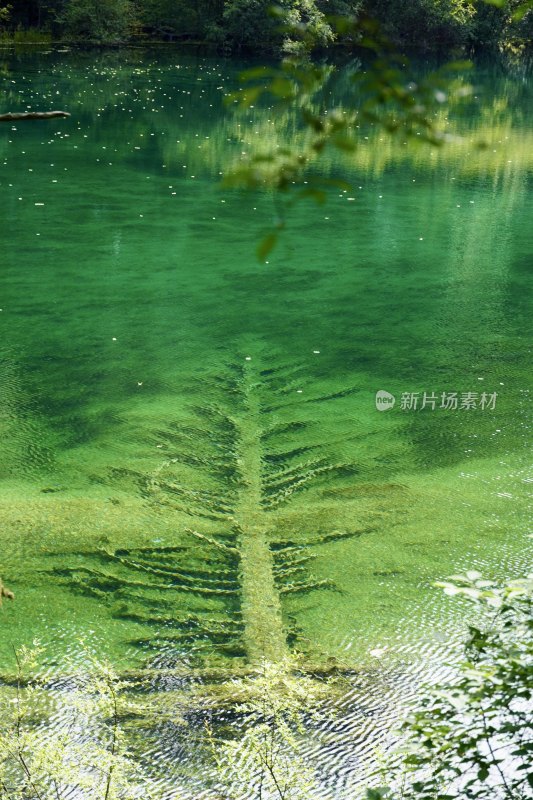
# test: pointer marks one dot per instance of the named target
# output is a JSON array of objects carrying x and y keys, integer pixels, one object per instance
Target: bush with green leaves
[
  {"x": 430, "y": 24},
  {"x": 266, "y": 758},
  {"x": 471, "y": 738},
  {"x": 5, "y": 11},
  {"x": 85, "y": 756},
  {"x": 261, "y": 26}
]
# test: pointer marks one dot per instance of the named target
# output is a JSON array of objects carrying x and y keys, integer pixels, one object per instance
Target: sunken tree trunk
[
  {"x": 236, "y": 466},
  {"x": 24, "y": 115}
]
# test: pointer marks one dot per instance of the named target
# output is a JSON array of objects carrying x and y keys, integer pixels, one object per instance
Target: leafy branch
[
  {"x": 471, "y": 737},
  {"x": 86, "y": 755},
  {"x": 386, "y": 94}
]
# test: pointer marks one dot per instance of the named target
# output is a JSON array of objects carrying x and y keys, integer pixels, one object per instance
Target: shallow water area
[{"x": 132, "y": 310}]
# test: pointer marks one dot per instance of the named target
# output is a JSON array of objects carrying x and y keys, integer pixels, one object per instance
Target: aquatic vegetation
[{"x": 88, "y": 755}]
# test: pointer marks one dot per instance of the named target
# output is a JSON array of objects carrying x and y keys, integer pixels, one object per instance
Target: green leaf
[
  {"x": 313, "y": 120},
  {"x": 276, "y": 12},
  {"x": 456, "y": 66},
  {"x": 522, "y": 10},
  {"x": 266, "y": 245},
  {"x": 343, "y": 24},
  {"x": 381, "y": 793}
]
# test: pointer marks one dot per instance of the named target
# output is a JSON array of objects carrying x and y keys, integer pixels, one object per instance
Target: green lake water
[{"x": 130, "y": 294}]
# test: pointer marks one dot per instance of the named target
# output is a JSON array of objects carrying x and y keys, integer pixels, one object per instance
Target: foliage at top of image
[
  {"x": 385, "y": 94},
  {"x": 244, "y": 25}
]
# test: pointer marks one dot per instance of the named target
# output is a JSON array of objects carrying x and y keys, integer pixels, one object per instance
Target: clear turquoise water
[{"x": 129, "y": 286}]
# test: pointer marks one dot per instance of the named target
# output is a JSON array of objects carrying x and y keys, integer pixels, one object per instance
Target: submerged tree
[{"x": 235, "y": 469}]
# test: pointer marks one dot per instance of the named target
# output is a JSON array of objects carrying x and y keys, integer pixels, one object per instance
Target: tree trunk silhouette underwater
[{"x": 239, "y": 561}]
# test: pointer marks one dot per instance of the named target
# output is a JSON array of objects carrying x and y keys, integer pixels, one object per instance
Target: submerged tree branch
[{"x": 23, "y": 115}]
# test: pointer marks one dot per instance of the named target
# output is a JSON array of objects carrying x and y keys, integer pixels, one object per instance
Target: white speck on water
[
  {"x": 248, "y": 358},
  {"x": 114, "y": 339},
  {"x": 299, "y": 391},
  {"x": 316, "y": 352}
]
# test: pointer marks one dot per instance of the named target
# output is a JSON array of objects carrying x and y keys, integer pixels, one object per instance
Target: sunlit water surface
[{"x": 129, "y": 284}]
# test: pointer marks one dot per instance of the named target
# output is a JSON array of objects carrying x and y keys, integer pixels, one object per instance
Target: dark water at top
[{"x": 129, "y": 288}]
